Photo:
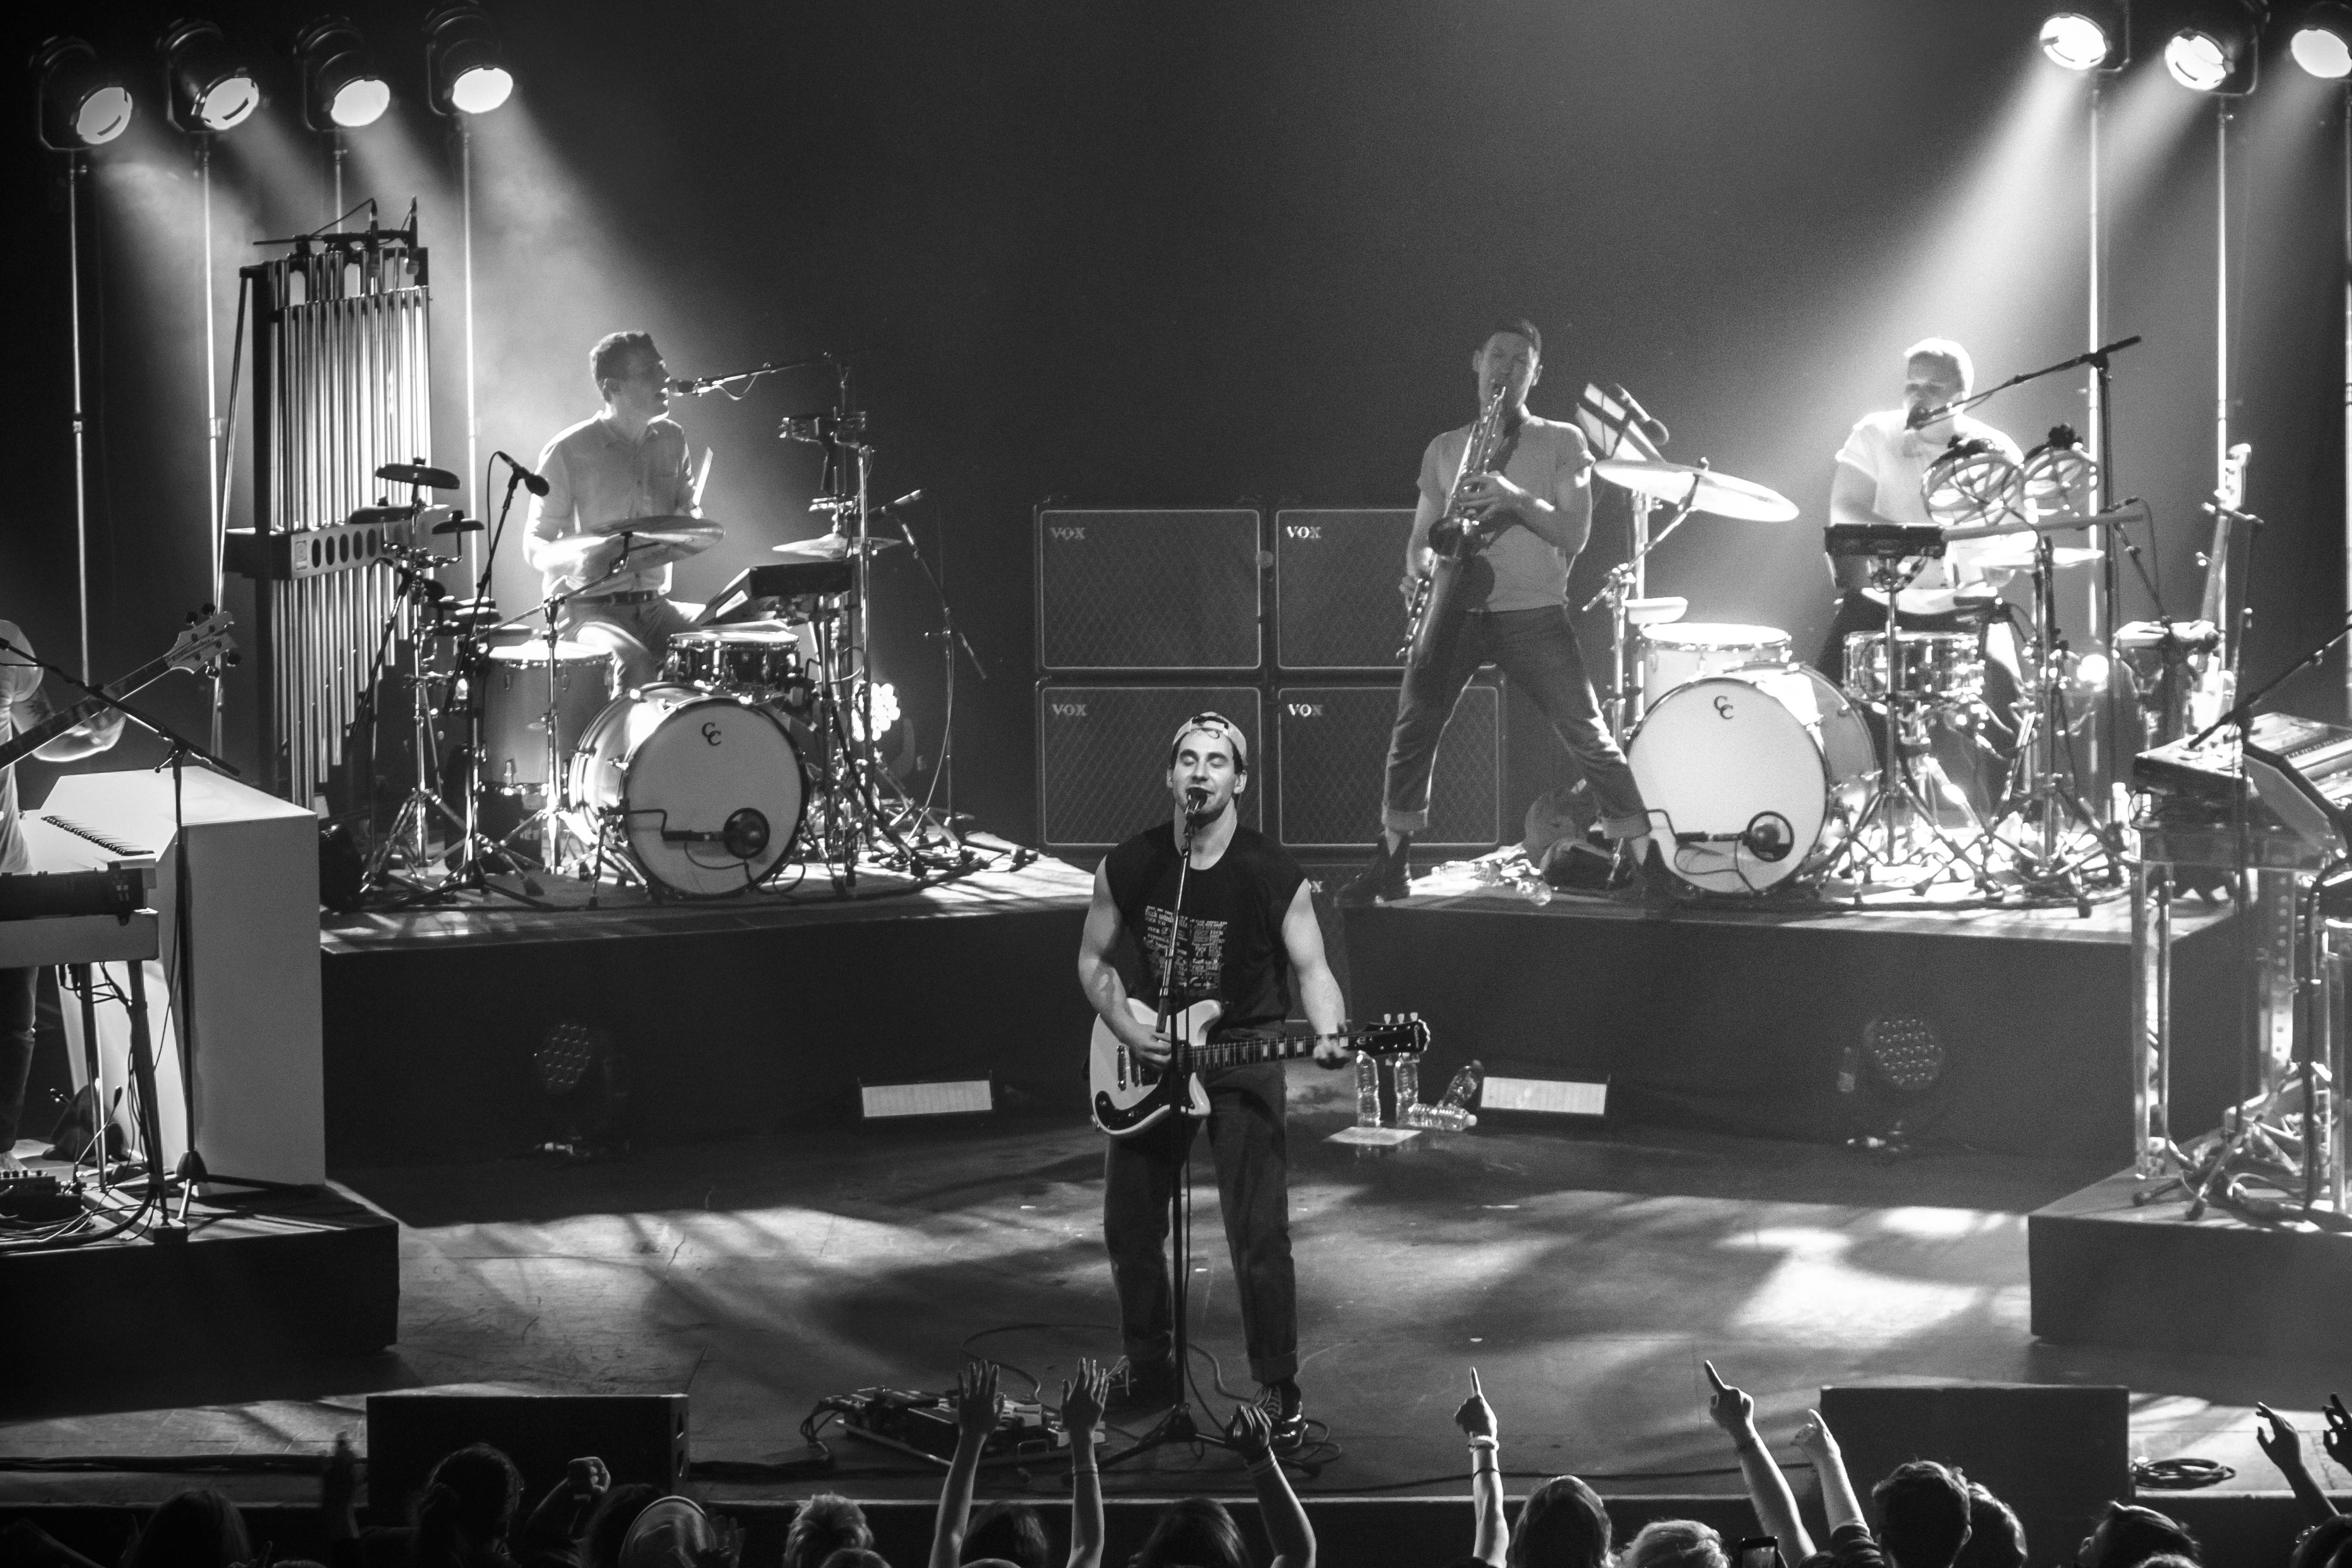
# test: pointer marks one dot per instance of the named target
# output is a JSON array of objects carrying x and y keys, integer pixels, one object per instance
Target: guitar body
[{"x": 1127, "y": 1096}]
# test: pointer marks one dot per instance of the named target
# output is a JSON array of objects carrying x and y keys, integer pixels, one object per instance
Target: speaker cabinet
[
  {"x": 1333, "y": 746},
  {"x": 1147, "y": 590},
  {"x": 1336, "y": 570},
  {"x": 640, "y": 1437},
  {"x": 2055, "y": 1453},
  {"x": 1102, "y": 756}
]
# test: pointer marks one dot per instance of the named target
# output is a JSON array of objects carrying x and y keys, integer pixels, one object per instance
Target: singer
[
  {"x": 1534, "y": 513},
  {"x": 628, "y": 461},
  {"x": 1245, "y": 937}
]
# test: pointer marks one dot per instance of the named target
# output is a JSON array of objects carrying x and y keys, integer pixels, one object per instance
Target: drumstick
[{"x": 703, "y": 477}]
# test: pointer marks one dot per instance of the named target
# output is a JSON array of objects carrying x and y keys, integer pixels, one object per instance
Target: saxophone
[{"x": 1437, "y": 599}]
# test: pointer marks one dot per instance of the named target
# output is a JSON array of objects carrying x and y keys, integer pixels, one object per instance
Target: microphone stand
[
  {"x": 1178, "y": 1424},
  {"x": 740, "y": 382},
  {"x": 952, "y": 637}
]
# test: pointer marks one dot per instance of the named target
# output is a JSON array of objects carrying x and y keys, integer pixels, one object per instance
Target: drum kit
[{"x": 1764, "y": 775}]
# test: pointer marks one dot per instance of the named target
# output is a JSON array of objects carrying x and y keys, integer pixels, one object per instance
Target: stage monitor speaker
[
  {"x": 1333, "y": 742},
  {"x": 1336, "y": 570},
  {"x": 1102, "y": 756},
  {"x": 640, "y": 1437},
  {"x": 1147, "y": 589},
  {"x": 2055, "y": 1453}
]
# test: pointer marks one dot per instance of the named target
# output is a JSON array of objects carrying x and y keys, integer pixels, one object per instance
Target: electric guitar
[
  {"x": 1129, "y": 1095},
  {"x": 201, "y": 649}
]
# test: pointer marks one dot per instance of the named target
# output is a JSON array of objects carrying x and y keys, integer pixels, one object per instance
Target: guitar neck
[
  {"x": 25, "y": 742},
  {"x": 1241, "y": 1050}
]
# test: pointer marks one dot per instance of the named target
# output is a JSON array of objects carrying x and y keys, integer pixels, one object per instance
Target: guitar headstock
[
  {"x": 204, "y": 646},
  {"x": 1396, "y": 1034}
]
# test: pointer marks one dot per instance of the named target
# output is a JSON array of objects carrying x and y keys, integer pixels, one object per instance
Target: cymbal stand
[
  {"x": 411, "y": 826},
  {"x": 1627, "y": 581},
  {"x": 2061, "y": 843},
  {"x": 1899, "y": 801}
]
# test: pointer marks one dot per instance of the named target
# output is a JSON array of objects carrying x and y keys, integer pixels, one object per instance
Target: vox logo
[
  {"x": 1067, "y": 532},
  {"x": 1067, "y": 710},
  {"x": 1303, "y": 530}
]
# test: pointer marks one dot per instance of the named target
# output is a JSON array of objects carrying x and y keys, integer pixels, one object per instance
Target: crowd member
[
  {"x": 465, "y": 1517},
  {"x": 196, "y": 1529},
  {"x": 2283, "y": 1445},
  {"x": 1561, "y": 1524},
  {"x": 1996, "y": 1535},
  {"x": 823, "y": 1525},
  {"x": 1675, "y": 1543},
  {"x": 2128, "y": 1535},
  {"x": 2327, "y": 1544},
  {"x": 674, "y": 1532},
  {"x": 1768, "y": 1489},
  {"x": 1197, "y": 1532},
  {"x": 1923, "y": 1508},
  {"x": 1008, "y": 1530},
  {"x": 856, "y": 1557},
  {"x": 600, "y": 1542},
  {"x": 978, "y": 1409}
]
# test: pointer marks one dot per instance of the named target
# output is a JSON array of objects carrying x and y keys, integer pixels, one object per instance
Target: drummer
[{"x": 629, "y": 461}]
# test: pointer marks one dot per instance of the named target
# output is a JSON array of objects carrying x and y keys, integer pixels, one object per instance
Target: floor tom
[
  {"x": 1684, "y": 652},
  {"x": 516, "y": 698}
]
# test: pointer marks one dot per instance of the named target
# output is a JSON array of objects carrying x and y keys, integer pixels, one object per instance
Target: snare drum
[
  {"x": 763, "y": 663},
  {"x": 515, "y": 707},
  {"x": 1753, "y": 777},
  {"x": 1684, "y": 652},
  {"x": 705, "y": 787},
  {"x": 1936, "y": 667}
]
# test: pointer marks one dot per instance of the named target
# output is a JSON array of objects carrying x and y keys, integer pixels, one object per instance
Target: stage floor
[{"x": 1584, "y": 1278}]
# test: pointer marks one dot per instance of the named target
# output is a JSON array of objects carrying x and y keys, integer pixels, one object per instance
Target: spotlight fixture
[
  {"x": 465, "y": 61},
  {"x": 2215, "y": 50},
  {"x": 342, "y": 89},
  {"x": 83, "y": 103},
  {"x": 205, "y": 87},
  {"x": 2322, "y": 43},
  {"x": 2095, "y": 36}
]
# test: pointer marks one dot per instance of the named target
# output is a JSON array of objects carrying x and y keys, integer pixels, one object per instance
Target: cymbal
[
  {"x": 1717, "y": 493},
  {"x": 662, "y": 541},
  {"x": 833, "y": 547},
  {"x": 418, "y": 474},
  {"x": 2060, "y": 555}
]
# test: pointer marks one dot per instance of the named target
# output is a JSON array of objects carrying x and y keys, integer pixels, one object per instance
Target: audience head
[
  {"x": 1010, "y": 1529},
  {"x": 668, "y": 1532},
  {"x": 1196, "y": 1532},
  {"x": 2128, "y": 1535},
  {"x": 1922, "y": 1514},
  {"x": 1675, "y": 1543},
  {"x": 467, "y": 1507},
  {"x": 599, "y": 1542},
  {"x": 1561, "y": 1525},
  {"x": 2327, "y": 1544},
  {"x": 1996, "y": 1535},
  {"x": 196, "y": 1529},
  {"x": 856, "y": 1557},
  {"x": 826, "y": 1524}
]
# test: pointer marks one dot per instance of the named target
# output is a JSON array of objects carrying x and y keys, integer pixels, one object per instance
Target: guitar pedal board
[{"x": 924, "y": 1426}]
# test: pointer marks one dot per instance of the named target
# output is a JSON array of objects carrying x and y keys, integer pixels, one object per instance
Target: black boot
[{"x": 1386, "y": 877}]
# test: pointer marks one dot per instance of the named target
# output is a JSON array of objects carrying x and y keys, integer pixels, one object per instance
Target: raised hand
[
  {"x": 1816, "y": 1441},
  {"x": 587, "y": 1478},
  {"x": 1476, "y": 1417},
  {"x": 1730, "y": 1407},
  {"x": 2278, "y": 1440},
  {"x": 2338, "y": 1439},
  {"x": 1084, "y": 1400},
  {"x": 976, "y": 1402},
  {"x": 1250, "y": 1432}
]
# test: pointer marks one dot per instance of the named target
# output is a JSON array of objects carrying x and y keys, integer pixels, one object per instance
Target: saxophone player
[{"x": 1527, "y": 515}]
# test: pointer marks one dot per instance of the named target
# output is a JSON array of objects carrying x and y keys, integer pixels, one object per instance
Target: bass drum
[
  {"x": 705, "y": 789},
  {"x": 1759, "y": 774}
]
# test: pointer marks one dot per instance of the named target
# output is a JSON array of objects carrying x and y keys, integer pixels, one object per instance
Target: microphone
[
  {"x": 1195, "y": 797},
  {"x": 1654, "y": 428},
  {"x": 909, "y": 499},
  {"x": 684, "y": 388},
  {"x": 1768, "y": 837},
  {"x": 743, "y": 835},
  {"x": 531, "y": 481}
]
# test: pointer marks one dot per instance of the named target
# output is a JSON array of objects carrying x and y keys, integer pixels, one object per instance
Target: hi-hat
[
  {"x": 833, "y": 547},
  {"x": 418, "y": 474},
  {"x": 1719, "y": 494}
]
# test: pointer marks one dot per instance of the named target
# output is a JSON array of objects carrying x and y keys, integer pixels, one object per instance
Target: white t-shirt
[
  {"x": 1548, "y": 462},
  {"x": 1896, "y": 459},
  {"x": 18, "y": 680},
  {"x": 595, "y": 474}
]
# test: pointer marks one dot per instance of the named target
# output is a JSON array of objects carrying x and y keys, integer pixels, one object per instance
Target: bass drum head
[
  {"x": 672, "y": 760},
  {"x": 1776, "y": 754}
]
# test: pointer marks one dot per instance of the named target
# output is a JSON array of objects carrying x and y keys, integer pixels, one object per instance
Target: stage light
[
  {"x": 342, "y": 89},
  {"x": 2322, "y": 43},
  {"x": 2074, "y": 41},
  {"x": 465, "y": 61},
  {"x": 205, "y": 87},
  {"x": 2214, "y": 51},
  {"x": 83, "y": 103}
]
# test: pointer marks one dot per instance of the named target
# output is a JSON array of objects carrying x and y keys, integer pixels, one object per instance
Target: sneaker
[
  {"x": 1286, "y": 1411},
  {"x": 1142, "y": 1385},
  {"x": 1386, "y": 877}
]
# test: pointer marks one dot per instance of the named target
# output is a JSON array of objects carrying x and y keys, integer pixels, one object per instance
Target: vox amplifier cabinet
[
  {"x": 1332, "y": 746},
  {"x": 1102, "y": 756},
  {"x": 1141, "y": 589},
  {"x": 1336, "y": 605}
]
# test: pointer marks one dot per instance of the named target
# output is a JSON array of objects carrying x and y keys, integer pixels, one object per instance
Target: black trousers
[
  {"x": 1249, "y": 1140},
  {"x": 16, "y": 994}
]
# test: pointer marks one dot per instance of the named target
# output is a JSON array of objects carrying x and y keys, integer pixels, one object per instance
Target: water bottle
[
  {"x": 1532, "y": 887},
  {"x": 1368, "y": 1090},
  {"x": 1406, "y": 1074},
  {"x": 1452, "y": 1113}
]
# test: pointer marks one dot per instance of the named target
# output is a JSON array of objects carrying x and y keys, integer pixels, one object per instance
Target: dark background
[{"x": 1198, "y": 253}]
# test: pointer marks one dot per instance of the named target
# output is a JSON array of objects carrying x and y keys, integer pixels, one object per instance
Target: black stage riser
[
  {"x": 429, "y": 1049},
  {"x": 1744, "y": 1026}
]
